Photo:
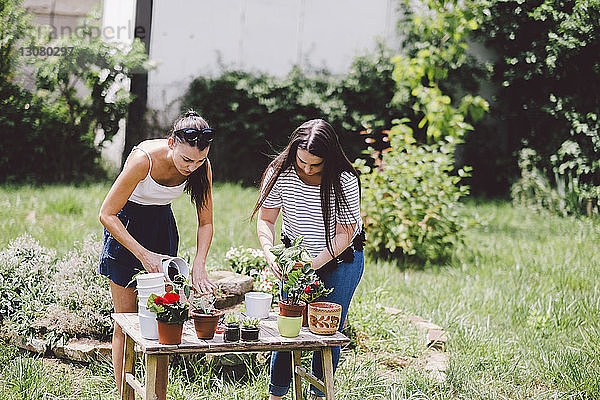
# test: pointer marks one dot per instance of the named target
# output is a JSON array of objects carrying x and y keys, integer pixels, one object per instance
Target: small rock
[
  {"x": 232, "y": 283},
  {"x": 83, "y": 350},
  {"x": 34, "y": 345}
]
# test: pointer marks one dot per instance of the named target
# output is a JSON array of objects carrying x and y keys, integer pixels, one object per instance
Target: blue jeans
[{"x": 344, "y": 279}]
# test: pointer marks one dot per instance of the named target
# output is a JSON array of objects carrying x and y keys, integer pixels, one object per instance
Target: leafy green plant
[
  {"x": 410, "y": 199},
  {"x": 204, "y": 303},
  {"x": 293, "y": 256},
  {"x": 231, "y": 319},
  {"x": 58, "y": 113},
  {"x": 246, "y": 261},
  {"x": 169, "y": 308},
  {"x": 250, "y": 322},
  {"x": 314, "y": 289}
]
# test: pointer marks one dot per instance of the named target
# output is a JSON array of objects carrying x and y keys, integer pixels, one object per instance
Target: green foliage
[
  {"x": 533, "y": 190},
  {"x": 250, "y": 322},
  {"x": 293, "y": 256},
  {"x": 411, "y": 193},
  {"x": 410, "y": 199},
  {"x": 169, "y": 308},
  {"x": 231, "y": 319},
  {"x": 57, "y": 298},
  {"x": 547, "y": 78},
  {"x": 256, "y": 113},
  {"x": 15, "y": 29},
  {"x": 436, "y": 47},
  {"x": 246, "y": 261},
  {"x": 49, "y": 135}
]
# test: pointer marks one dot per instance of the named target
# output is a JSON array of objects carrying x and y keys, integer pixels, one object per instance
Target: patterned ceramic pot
[{"x": 324, "y": 317}]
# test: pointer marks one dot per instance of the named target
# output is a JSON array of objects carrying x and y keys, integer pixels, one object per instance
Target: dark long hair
[
  {"x": 197, "y": 182},
  {"x": 318, "y": 138}
]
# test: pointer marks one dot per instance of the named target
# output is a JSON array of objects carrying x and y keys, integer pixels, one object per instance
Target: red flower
[
  {"x": 307, "y": 289},
  {"x": 160, "y": 300},
  {"x": 171, "y": 298},
  {"x": 316, "y": 283}
]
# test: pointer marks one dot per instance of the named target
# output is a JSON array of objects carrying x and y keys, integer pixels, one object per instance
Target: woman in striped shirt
[{"x": 316, "y": 189}]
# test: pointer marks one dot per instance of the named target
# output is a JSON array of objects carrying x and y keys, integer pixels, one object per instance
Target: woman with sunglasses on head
[
  {"x": 140, "y": 229},
  {"x": 317, "y": 191}
]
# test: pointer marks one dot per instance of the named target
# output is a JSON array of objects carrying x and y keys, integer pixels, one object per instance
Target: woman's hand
[
  {"x": 200, "y": 280},
  {"x": 152, "y": 262}
]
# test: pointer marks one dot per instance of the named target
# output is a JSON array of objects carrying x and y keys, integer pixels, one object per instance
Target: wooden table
[{"x": 269, "y": 340}]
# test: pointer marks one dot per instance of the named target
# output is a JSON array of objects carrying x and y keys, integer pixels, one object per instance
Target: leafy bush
[
  {"x": 410, "y": 199},
  {"x": 546, "y": 77},
  {"x": 256, "y": 113},
  {"x": 49, "y": 135},
  {"x": 411, "y": 194},
  {"x": 58, "y": 299}
]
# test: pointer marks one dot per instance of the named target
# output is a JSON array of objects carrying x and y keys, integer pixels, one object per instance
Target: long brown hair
[
  {"x": 197, "y": 184},
  {"x": 318, "y": 138}
]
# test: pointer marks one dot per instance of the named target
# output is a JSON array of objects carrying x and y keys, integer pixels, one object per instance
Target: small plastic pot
[
  {"x": 231, "y": 333},
  {"x": 258, "y": 304},
  {"x": 249, "y": 333},
  {"x": 289, "y": 326}
]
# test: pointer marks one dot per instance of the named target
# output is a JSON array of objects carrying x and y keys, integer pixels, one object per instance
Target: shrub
[
  {"x": 49, "y": 135},
  {"x": 546, "y": 77},
  {"x": 256, "y": 113},
  {"x": 410, "y": 200},
  {"x": 58, "y": 299}
]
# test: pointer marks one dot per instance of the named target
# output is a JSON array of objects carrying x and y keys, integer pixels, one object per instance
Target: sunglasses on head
[{"x": 193, "y": 135}]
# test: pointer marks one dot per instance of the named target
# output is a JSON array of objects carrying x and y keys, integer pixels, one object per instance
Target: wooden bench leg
[
  {"x": 151, "y": 367},
  {"x": 327, "y": 361},
  {"x": 297, "y": 361},
  {"x": 128, "y": 368}
]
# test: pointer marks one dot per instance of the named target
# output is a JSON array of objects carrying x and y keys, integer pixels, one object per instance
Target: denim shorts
[{"x": 153, "y": 227}]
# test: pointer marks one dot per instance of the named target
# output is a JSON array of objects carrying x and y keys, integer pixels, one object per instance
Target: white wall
[{"x": 193, "y": 37}]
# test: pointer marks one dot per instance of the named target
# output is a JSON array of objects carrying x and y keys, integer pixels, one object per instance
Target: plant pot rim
[
  {"x": 287, "y": 303},
  {"x": 324, "y": 305},
  {"x": 196, "y": 314},
  {"x": 250, "y": 328}
]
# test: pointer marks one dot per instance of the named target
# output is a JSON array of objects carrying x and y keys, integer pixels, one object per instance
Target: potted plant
[
  {"x": 205, "y": 315},
  {"x": 295, "y": 262},
  {"x": 171, "y": 313},
  {"x": 312, "y": 292},
  {"x": 250, "y": 329},
  {"x": 232, "y": 328}
]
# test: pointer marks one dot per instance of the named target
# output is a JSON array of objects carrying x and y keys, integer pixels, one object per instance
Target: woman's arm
[
  {"x": 203, "y": 240},
  {"x": 265, "y": 227},
  {"x": 340, "y": 242},
  {"x": 136, "y": 168}
]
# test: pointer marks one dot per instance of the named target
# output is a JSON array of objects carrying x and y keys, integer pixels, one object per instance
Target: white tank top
[{"x": 151, "y": 193}]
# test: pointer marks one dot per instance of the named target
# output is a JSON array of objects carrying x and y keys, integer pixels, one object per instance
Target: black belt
[{"x": 346, "y": 256}]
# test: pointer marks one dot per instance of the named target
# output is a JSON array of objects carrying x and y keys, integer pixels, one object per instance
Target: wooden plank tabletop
[{"x": 268, "y": 339}]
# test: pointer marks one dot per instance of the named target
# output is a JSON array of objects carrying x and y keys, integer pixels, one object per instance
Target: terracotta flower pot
[
  {"x": 205, "y": 324},
  {"x": 324, "y": 317},
  {"x": 169, "y": 333},
  {"x": 291, "y": 310}
]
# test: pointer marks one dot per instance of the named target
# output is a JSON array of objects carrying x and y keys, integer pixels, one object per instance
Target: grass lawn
[{"x": 521, "y": 302}]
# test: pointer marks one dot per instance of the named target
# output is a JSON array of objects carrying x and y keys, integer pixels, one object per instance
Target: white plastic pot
[
  {"x": 148, "y": 327},
  {"x": 143, "y": 311},
  {"x": 258, "y": 304},
  {"x": 175, "y": 266},
  {"x": 150, "y": 279},
  {"x": 158, "y": 290}
]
